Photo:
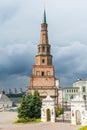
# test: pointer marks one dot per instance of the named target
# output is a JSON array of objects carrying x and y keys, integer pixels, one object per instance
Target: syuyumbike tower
[{"x": 43, "y": 77}]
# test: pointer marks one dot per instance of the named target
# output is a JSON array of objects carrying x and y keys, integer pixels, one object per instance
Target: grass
[
  {"x": 83, "y": 128},
  {"x": 27, "y": 120},
  {"x": 38, "y": 120}
]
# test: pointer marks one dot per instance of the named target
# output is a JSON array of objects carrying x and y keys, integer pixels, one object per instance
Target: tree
[
  {"x": 30, "y": 106},
  {"x": 36, "y": 105},
  {"x": 25, "y": 106}
]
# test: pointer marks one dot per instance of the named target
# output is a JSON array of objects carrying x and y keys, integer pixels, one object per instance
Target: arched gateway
[
  {"x": 48, "y": 114},
  {"x": 48, "y": 110},
  {"x": 78, "y": 117},
  {"x": 78, "y": 111}
]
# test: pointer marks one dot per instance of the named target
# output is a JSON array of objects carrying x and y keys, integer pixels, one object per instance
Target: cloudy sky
[{"x": 20, "y": 33}]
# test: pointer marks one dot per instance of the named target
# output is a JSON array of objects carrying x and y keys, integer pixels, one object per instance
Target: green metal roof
[{"x": 44, "y": 18}]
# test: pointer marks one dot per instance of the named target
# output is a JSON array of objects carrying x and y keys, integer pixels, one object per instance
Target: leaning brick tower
[{"x": 43, "y": 77}]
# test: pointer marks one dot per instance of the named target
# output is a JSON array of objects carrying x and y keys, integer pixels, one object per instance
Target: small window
[
  {"x": 37, "y": 73},
  {"x": 67, "y": 90},
  {"x": 43, "y": 49},
  {"x": 70, "y": 91},
  {"x": 77, "y": 91},
  {"x": 84, "y": 97},
  {"x": 48, "y": 72},
  {"x": 43, "y": 60},
  {"x": 83, "y": 89},
  {"x": 71, "y": 97},
  {"x": 48, "y": 49},
  {"x": 49, "y": 61},
  {"x": 39, "y": 49},
  {"x": 42, "y": 73}
]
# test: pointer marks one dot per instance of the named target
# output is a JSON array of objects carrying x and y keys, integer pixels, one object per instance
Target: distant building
[
  {"x": 82, "y": 85},
  {"x": 10, "y": 91},
  {"x": 15, "y": 90},
  {"x": 20, "y": 91},
  {"x": 68, "y": 93},
  {"x": 5, "y": 102},
  {"x": 61, "y": 97}
]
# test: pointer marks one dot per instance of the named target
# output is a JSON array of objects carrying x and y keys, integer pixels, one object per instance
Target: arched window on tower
[
  {"x": 38, "y": 49},
  {"x": 42, "y": 73},
  {"x": 43, "y": 60},
  {"x": 49, "y": 61},
  {"x": 43, "y": 49},
  {"x": 37, "y": 73},
  {"x": 48, "y": 72},
  {"x": 48, "y": 50}
]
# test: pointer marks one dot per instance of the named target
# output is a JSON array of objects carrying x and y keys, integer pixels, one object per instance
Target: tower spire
[
  {"x": 44, "y": 17},
  {"x": 44, "y": 32}
]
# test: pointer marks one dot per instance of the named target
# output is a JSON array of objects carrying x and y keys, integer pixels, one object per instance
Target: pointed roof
[
  {"x": 44, "y": 17},
  {"x": 4, "y": 98}
]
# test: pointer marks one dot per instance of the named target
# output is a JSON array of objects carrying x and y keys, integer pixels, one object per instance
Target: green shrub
[
  {"x": 25, "y": 120},
  {"x": 83, "y": 128},
  {"x": 28, "y": 120},
  {"x": 38, "y": 120},
  {"x": 59, "y": 112}
]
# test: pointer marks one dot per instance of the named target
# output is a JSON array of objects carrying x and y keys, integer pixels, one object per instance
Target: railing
[{"x": 42, "y": 87}]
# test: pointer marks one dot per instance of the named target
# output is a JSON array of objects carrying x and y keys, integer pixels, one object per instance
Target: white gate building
[
  {"x": 48, "y": 110},
  {"x": 78, "y": 111}
]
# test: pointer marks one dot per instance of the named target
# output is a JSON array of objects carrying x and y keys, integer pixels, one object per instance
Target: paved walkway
[{"x": 7, "y": 119}]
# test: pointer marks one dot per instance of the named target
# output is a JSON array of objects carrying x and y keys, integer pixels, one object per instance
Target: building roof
[
  {"x": 85, "y": 79},
  {"x": 4, "y": 98}
]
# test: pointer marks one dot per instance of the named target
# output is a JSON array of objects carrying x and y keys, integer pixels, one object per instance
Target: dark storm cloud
[
  {"x": 70, "y": 62},
  {"x": 20, "y": 33},
  {"x": 17, "y": 57}
]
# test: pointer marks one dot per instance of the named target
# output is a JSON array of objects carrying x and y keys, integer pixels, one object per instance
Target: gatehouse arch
[
  {"x": 48, "y": 110},
  {"x": 78, "y": 117},
  {"x": 78, "y": 111},
  {"x": 48, "y": 114}
]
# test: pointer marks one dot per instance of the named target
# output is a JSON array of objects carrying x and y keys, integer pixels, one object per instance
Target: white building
[
  {"x": 68, "y": 93},
  {"x": 5, "y": 102},
  {"x": 82, "y": 85},
  {"x": 78, "y": 111},
  {"x": 61, "y": 98}
]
